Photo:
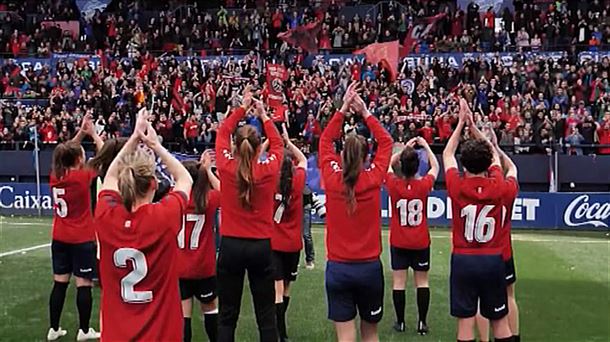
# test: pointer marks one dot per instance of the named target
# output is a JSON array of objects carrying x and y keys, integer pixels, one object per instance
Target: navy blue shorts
[
  {"x": 510, "y": 274},
  {"x": 478, "y": 279},
  {"x": 417, "y": 259},
  {"x": 74, "y": 258},
  {"x": 354, "y": 288}
]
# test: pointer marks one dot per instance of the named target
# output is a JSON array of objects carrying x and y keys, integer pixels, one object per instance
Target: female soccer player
[
  {"x": 137, "y": 242},
  {"x": 247, "y": 192},
  {"x": 354, "y": 275},
  {"x": 197, "y": 247},
  {"x": 477, "y": 268},
  {"x": 73, "y": 247},
  {"x": 286, "y": 242},
  {"x": 409, "y": 236}
]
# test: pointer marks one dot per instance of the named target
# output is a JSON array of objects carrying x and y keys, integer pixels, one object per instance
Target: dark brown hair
[
  {"x": 476, "y": 155},
  {"x": 409, "y": 162},
  {"x": 355, "y": 150},
  {"x": 103, "y": 158},
  {"x": 286, "y": 174},
  {"x": 201, "y": 185},
  {"x": 65, "y": 156},
  {"x": 247, "y": 142}
]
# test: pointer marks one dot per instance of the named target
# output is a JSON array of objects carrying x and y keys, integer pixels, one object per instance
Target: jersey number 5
[
  {"x": 411, "y": 212},
  {"x": 478, "y": 227},
  {"x": 197, "y": 228},
  {"x": 140, "y": 269},
  {"x": 61, "y": 207}
]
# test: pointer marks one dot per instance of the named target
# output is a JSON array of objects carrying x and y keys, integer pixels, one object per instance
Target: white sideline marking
[
  {"x": 31, "y": 224},
  {"x": 24, "y": 250}
]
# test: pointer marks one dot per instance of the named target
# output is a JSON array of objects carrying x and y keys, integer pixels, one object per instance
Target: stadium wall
[{"x": 539, "y": 210}]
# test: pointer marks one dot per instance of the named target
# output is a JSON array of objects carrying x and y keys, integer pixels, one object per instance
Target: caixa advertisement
[{"x": 539, "y": 210}]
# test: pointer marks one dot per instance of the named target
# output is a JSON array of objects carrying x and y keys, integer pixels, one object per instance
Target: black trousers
[{"x": 235, "y": 258}]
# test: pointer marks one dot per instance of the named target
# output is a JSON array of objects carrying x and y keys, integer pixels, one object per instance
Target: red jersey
[
  {"x": 236, "y": 221},
  {"x": 477, "y": 211},
  {"x": 279, "y": 113},
  {"x": 196, "y": 244},
  {"x": 409, "y": 200},
  {"x": 191, "y": 129},
  {"x": 287, "y": 222},
  {"x": 140, "y": 298},
  {"x": 507, "y": 212},
  {"x": 72, "y": 217},
  {"x": 357, "y": 236}
]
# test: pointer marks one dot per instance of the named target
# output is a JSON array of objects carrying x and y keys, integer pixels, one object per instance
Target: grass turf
[{"x": 563, "y": 289}]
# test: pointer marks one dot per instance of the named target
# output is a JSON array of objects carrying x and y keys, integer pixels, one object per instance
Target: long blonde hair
[
  {"x": 136, "y": 174},
  {"x": 247, "y": 142}
]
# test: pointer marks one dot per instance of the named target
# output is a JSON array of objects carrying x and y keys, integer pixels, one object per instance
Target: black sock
[
  {"x": 423, "y": 302},
  {"x": 211, "y": 326},
  {"x": 84, "y": 302},
  {"x": 187, "y": 333},
  {"x": 286, "y": 300},
  {"x": 281, "y": 323},
  {"x": 56, "y": 303},
  {"x": 466, "y": 341},
  {"x": 506, "y": 339},
  {"x": 516, "y": 338},
  {"x": 398, "y": 297}
]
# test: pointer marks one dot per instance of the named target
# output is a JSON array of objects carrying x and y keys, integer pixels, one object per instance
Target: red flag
[
  {"x": 303, "y": 36},
  {"x": 384, "y": 53},
  {"x": 419, "y": 30},
  {"x": 276, "y": 75}
]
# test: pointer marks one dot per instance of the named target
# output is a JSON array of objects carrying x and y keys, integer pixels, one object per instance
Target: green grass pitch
[{"x": 563, "y": 289}]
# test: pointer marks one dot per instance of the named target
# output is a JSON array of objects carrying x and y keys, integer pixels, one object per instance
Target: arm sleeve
[
  {"x": 299, "y": 179},
  {"x": 511, "y": 187},
  {"x": 223, "y": 139},
  {"x": 276, "y": 146},
  {"x": 329, "y": 135},
  {"x": 429, "y": 182},
  {"x": 384, "y": 148},
  {"x": 452, "y": 179},
  {"x": 171, "y": 208}
]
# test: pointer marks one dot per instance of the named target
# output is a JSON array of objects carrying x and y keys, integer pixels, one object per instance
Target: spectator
[{"x": 572, "y": 142}]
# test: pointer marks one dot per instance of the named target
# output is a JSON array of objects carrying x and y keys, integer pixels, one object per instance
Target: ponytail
[
  {"x": 247, "y": 142},
  {"x": 201, "y": 185},
  {"x": 135, "y": 177},
  {"x": 286, "y": 176},
  {"x": 353, "y": 156},
  {"x": 65, "y": 156},
  {"x": 101, "y": 161}
]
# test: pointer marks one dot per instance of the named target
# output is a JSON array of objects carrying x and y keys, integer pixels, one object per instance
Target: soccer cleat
[
  {"x": 422, "y": 328},
  {"x": 400, "y": 327},
  {"x": 90, "y": 335},
  {"x": 53, "y": 334},
  {"x": 310, "y": 265}
]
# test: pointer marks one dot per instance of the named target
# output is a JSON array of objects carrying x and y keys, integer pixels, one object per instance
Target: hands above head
[
  {"x": 207, "y": 159},
  {"x": 247, "y": 98},
  {"x": 465, "y": 114},
  {"x": 259, "y": 109},
  {"x": 87, "y": 125},
  {"x": 285, "y": 134},
  {"x": 149, "y": 136}
]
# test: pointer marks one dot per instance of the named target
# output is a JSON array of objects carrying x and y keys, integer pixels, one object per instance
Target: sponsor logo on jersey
[{"x": 581, "y": 212}]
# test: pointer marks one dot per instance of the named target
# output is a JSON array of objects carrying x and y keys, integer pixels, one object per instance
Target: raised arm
[
  {"x": 332, "y": 132},
  {"x": 449, "y": 160},
  {"x": 300, "y": 157},
  {"x": 206, "y": 164},
  {"x": 434, "y": 166},
  {"x": 182, "y": 178},
  {"x": 223, "y": 138},
  {"x": 111, "y": 180},
  {"x": 276, "y": 145},
  {"x": 89, "y": 129}
]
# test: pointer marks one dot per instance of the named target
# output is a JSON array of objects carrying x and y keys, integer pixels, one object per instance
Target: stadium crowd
[{"x": 534, "y": 103}]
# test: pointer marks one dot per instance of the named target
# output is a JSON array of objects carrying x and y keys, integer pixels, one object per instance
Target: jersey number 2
[
  {"x": 197, "y": 228},
  {"x": 478, "y": 227},
  {"x": 140, "y": 269},
  {"x": 411, "y": 212}
]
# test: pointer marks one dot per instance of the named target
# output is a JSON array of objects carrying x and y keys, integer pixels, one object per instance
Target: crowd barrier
[{"x": 532, "y": 210}]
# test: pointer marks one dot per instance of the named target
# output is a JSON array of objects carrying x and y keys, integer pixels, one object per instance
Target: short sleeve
[
  {"x": 107, "y": 200},
  {"x": 171, "y": 209},
  {"x": 452, "y": 178},
  {"x": 300, "y": 177},
  {"x": 214, "y": 199},
  {"x": 428, "y": 182},
  {"x": 511, "y": 188}
]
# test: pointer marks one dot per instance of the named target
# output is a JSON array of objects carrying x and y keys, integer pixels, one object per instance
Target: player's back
[
  {"x": 137, "y": 254},
  {"x": 288, "y": 221},
  {"x": 477, "y": 205},
  {"x": 409, "y": 200},
  {"x": 72, "y": 219},
  {"x": 196, "y": 240}
]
